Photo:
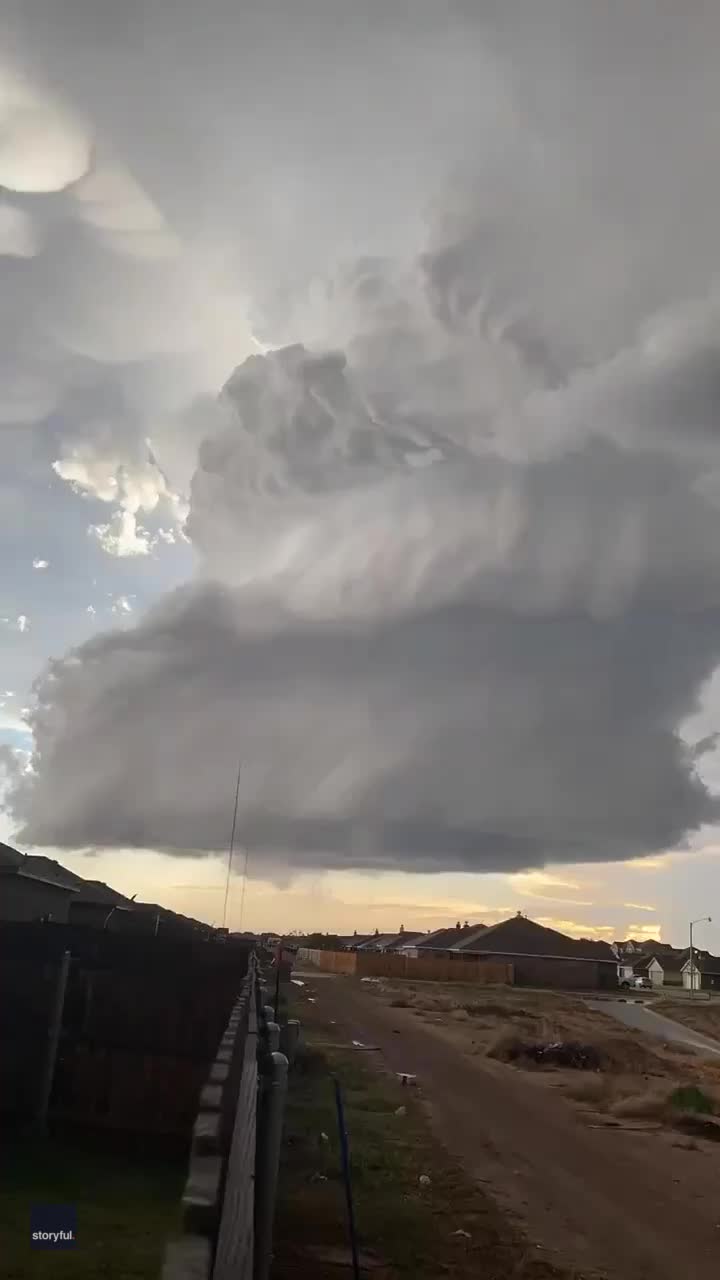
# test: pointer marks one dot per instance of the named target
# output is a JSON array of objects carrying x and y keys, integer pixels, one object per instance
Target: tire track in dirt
[{"x": 630, "y": 1205}]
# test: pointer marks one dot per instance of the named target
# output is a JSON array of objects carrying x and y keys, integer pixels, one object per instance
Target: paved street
[{"x": 640, "y": 1016}]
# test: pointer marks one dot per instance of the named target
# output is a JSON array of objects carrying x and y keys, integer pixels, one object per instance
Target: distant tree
[{"x": 323, "y": 942}]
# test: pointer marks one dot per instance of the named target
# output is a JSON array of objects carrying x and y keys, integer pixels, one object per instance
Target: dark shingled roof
[
  {"x": 444, "y": 939},
  {"x": 522, "y": 937},
  {"x": 669, "y": 961},
  {"x": 38, "y": 867}
]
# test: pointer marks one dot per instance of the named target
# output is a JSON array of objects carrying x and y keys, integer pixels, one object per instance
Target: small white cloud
[
  {"x": 41, "y": 564},
  {"x": 134, "y": 486},
  {"x": 166, "y": 535},
  {"x": 122, "y": 536},
  {"x": 121, "y": 605},
  {"x": 91, "y": 609},
  {"x": 23, "y": 622}
]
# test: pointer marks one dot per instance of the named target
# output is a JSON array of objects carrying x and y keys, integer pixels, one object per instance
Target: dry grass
[
  {"x": 637, "y": 1074},
  {"x": 504, "y": 1046},
  {"x": 651, "y": 1105},
  {"x": 703, "y": 1016}
]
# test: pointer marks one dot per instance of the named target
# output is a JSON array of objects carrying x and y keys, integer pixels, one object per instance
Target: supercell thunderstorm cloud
[{"x": 422, "y": 321}]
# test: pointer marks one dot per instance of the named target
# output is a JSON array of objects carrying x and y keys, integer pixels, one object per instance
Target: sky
[{"x": 359, "y": 408}]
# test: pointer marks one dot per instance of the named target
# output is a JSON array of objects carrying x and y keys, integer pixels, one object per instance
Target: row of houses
[
  {"x": 33, "y": 888},
  {"x": 539, "y": 956},
  {"x": 665, "y": 966},
  {"x": 408, "y": 941},
  {"x": 534, "y": 946}
]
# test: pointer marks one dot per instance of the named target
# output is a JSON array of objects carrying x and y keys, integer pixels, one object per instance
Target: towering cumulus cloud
[{"x": 457, "y": 585}]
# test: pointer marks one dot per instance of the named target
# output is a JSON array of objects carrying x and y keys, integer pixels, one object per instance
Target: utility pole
[{"x": 700, "y": 920}]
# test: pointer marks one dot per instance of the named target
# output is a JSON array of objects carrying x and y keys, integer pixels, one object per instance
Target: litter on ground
[
  {"x": 298, "y": 982},
  {"x": 561, "y": 1053}
]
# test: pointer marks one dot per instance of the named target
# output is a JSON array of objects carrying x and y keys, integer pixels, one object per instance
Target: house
[
  {"x": 100, "y": 905},
  {"x": 542, "y": 957},
  {"x": 650, "y": 946},
  {"x": 701, "y": 971},
  {"x": 440, "y": 940},
  {"x": 32, "y": 889},
  {"x": 92, "y": 902},
  {"x": 151, "y": 918},
  {"x": 352, "y": 941},
  {"x": 663, "y": 968},
  {"x": 401, "y": 941}
]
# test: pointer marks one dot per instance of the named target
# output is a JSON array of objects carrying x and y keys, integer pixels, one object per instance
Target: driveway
[
  {"x": 567, "y": 1182},
  {"x": 641, "y": 1017}
]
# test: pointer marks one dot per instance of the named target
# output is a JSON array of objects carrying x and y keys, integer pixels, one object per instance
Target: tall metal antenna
[{"x": 232, "y": 844}]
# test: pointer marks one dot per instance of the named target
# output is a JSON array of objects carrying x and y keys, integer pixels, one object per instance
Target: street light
[{"x": 700, "y": 920}]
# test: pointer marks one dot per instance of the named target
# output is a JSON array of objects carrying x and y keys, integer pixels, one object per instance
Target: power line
[
  {"x": 232, "y": 843},
  {"x": 244, "y": 882}
]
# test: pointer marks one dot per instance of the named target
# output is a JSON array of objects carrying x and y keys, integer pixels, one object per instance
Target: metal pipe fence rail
[{"x": 229, "y": 1199}]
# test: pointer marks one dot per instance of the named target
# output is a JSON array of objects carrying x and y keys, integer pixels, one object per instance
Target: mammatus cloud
[{"x": 456, "y": 584}]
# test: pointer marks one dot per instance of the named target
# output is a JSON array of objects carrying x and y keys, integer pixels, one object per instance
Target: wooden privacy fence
[
  {"x": 122, "y": 1028},
  {"x": 393, "y": 964},
  {"x": 228, "y": 1204}
]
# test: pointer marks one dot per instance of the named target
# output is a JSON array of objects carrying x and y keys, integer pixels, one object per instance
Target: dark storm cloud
[{"x": 458, "y": 739}]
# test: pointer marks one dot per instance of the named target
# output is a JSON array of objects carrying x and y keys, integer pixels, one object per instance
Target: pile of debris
[{"x": 560, "y": 1053}]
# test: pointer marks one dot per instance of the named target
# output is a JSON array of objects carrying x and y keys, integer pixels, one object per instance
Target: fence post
[
  {"x": 53, "y": 1038},
  {"x": 289, "y": 1038},
  {"x": 268, "y": 1160}
]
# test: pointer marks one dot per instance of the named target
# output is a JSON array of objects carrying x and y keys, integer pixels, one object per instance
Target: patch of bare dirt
[
  {"x": 494, "y": 1021},
  {"x": 563, "y": 1174}
]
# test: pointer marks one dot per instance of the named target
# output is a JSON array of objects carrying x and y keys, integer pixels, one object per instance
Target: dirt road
[{"x": 609, "y": 1201}]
